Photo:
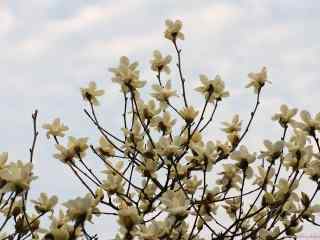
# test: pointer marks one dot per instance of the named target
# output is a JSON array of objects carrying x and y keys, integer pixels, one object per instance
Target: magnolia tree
[{"x": 161, "y": 178}]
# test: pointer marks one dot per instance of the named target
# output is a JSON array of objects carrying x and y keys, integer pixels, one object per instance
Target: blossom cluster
[{"x": 165, "y": 176}]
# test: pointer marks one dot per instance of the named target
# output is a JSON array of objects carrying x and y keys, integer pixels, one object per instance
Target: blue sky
[{"x": 51, "y": 48}]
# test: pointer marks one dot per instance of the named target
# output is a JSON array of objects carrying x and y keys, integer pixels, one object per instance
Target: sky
[{"x": 51, "y": 48}]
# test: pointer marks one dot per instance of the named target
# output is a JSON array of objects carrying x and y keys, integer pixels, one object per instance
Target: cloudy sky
[{"x": 51, "y": 48}]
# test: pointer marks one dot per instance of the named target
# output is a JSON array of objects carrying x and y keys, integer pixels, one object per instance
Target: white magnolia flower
[
  {"x": 189, "y": 114},
  {"x": 212, "y": 89},
  {"x": 163, "y": 124},
  {"x": 273, "y": 150},
  {"x": 114, "y": 182},
  {"x": 106, "y": 148},
  {"x": 127, "y": 75},
  {"x": 244, "y": 158},
  {"x": 78, "y": 145},
  {"x": 55, "y": 129},
  {"x": 173, "y": 30},
  {"x": 160, "y": 63},
  {"x": 263, "y": 179},
  {"x": 234, "y": 126},
  {"x": 258, "y": 80},
  {"x": 285, "y": 116},
  {"x": 308, "y": 124},
  {"x": 162, "y": 94},
  {"x": 80, "y": 209},
  {"x": 3, "y": 159},
  {"x": 91, "y": 93},
  {"x": 128, "y": 217},
  {"x": 44, "y": 203},
  {"x": 175, "y": 203},
  {"x": 231, "y": 177},
  {"x": 18, "y": 177}
]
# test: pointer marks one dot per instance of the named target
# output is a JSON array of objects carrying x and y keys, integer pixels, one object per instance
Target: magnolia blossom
[
  {"x": 234, "y": 126},
  {"x": 175, "y": 203},
  {"x": 173, "y": 30},
  {"x": 313, "y": 169},
  {"x": 80, "y": 209},
  {"x": 128, "y": 217},
  {"x": 258, "y": 80},
  {"x": 232, "y": 206},
  {"x": 44, "y": 203},
  {"x": 114, "y": 182},
  {"x": 212, "y": 89},
  {"x": 65, "y": 155},
  {"x": 231, "y": 177},
  {"x": 55, "y": 129},
  {"x": 127, "y": 75},
  {"x": 308, "y": 124},
  {"x": 163, "y": 124},
  {"x": 203, "y": 155},
  {"x": 162, "y": 94},
  {"x": 284, "y": 187},
  {"x": 106, "y": 148},
  {"x": 91, "y": 93},
  {"x": 155, "y": 231},
  {"x": 244, "y": 158},
  {"x": 191, "y": 185},
  {"x": 166, "y": 147},
  {"x": 160, "y": 63},
  {"x": 148, "y": 110},
  {"x": 78, "y": 145},
  {"x": 285, "y": 116},
  {"x": 189, "y": 114},
  {"x": 265, "y": 234},
  {"x": 265, "y": 177},
  {"x": 273, "y": 150},
  {"x": 18, "y": 177}
]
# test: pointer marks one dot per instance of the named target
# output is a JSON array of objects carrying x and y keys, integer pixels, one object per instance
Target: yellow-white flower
[
  {"x": 163, "y": 124},
  {"x": 273, "y": 150},
  {"x": 168, "y": 148},
  {"x": 3, "y": 159},
  {"x": 55, "y": 129},
  {"x": 18, "y": 177},
  {"x": 148, "y": 110},
  {"x": 65, "y": 155},
  {"x": 160, "y": 63},
  {"x": 114, "y": 182},
  {"x": 127, "y": 75},
  {"x": 162, "y": 94},
  {"x": 175, "y": 203},
  {"x": 244, "y": 158},
  {"x": 154, "y": 231},
  {"x": 234, "y": 126},
  {"x": 313, "y": 169},
  {"x": 212, "y": 89},
  {"x": 128, "y": 217},
  {"x": 263, "y": 179},
  {"x": 44, "y": 203},
  {"x": 106, "y": 148},
  {"x": 258, "y": 80},
  {"x": 189, "y": 114},
  {"x": 78, "y": 145},
  {"x": 308, "y": 124},
  {"x": 230, "y": 177},
  {"x": 285, "y": 116},
  {"x": 80, "y": 209},
  {"x": 265, "y": 234},
  {"x": 191, "y": 185},
  {"x": 91, "y": 93},
  {"x": 173, "y": 30},
  {"x": 232, "y": 206}
]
